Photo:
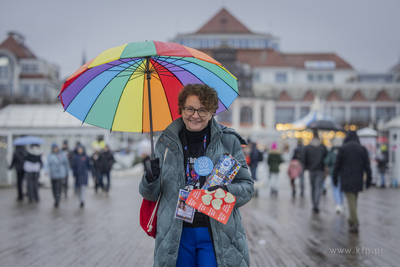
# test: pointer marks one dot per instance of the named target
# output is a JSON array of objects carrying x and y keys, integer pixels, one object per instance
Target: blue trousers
[
  {"x": 337, "y": 192},
  {"x": 196, "y": 248}
]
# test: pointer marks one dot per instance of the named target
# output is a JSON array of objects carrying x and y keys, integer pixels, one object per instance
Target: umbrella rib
[{"x": 164, "y": 60}]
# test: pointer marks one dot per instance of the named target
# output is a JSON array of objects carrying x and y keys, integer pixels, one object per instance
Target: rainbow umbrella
[{"x": 134, "y": 87}]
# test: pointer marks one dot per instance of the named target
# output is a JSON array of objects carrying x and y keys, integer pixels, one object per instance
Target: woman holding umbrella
[{"x": 205, "y": 242}]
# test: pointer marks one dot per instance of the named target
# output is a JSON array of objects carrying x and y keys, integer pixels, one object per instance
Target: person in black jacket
[
  {"x": 313, "y": 160},
  {"x": 106, "y": 161},
  {"x": 18, "y": 162},
  {"x": 351, "y": 162},
  {"x": 32, "y": 166}
]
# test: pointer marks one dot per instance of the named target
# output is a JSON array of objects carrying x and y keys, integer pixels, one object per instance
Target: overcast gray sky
[{"x": 366, "y": 33}]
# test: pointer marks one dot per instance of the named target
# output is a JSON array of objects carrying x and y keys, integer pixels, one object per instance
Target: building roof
[
  {"x": 358, "y": 96},
  {"x": 15, "y": 44},
  {"x": 334, "y": 96},
  {"x": 298, "y": 60},
  {"x": 396, "y": 68},
  {"x": 38, "y": 116},
  {"x": 383, "y": 97},
  {"x": 223, "y": 22},
  {"x": 272, "y": 58}
]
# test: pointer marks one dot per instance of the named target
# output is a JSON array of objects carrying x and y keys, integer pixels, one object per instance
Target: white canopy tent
[
  {"x": 47, "y": 121},
  {"x": 393, "y": 127},
  {"x": 316, "y": 113},
  {"x": 367, "y": 132}
]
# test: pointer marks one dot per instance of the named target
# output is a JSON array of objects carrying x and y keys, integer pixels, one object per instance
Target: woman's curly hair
[{"x": 206, "y": 94}]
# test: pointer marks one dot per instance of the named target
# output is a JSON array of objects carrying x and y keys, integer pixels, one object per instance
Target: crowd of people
[
  {"x": 171, "y": 172},
  {"x": 61, "y": 164},
  {"x": 346, "y": 164}
]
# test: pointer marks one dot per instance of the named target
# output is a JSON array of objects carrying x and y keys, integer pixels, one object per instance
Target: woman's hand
[{"x": 152, "y": 168}]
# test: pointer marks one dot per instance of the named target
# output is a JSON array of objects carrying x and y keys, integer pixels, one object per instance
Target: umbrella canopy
[
  {"x": 312, "y": 116},
  {"x": 367, "y": 132},
  {"x": 111, "y": 91},
  {"x": 327, "y": 125},
  {"x": 134, "y": 87},
  {"x": 28, "y": 140}
]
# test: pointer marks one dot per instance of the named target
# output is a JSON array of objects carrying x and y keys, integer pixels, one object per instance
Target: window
[
  {"x": 246, "y": 115},
  {"x": 320, "y": 77},
  {"x": 284, "y": 115},
  {"x": 280, "y": 77},
  {"x": 38, "y": 91},
  {"x": 256, "y": 77},
  {"x": 4, "y": 67},
  {"x": 24, "y": 90},
  {"x": 337, "y": 113},
  {"x": 385, "y": 113},
  {"x": 304, "y": 111},
  {"x": 360, "y": 116},
  {"x": 30, "y": 68},
  {"x": 263, "y": 116},
  {"x": 319, "y": 64},
  {"x": 225, "y": 117},
  {"x": 3, "y": 89}
]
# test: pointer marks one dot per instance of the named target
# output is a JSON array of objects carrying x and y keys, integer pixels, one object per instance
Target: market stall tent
[
  {"x": 393, "y": 127},
  {"x": 44, "y": 120}
]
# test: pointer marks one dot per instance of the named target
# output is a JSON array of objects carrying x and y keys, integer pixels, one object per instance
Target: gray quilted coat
[{"x": 229, "y": 240}]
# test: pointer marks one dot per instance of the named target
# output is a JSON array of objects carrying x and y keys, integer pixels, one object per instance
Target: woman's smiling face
[{"x": 194, "y": 122}]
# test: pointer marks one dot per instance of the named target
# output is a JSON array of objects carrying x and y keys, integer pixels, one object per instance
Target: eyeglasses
[{"x": 190, "y": 111}]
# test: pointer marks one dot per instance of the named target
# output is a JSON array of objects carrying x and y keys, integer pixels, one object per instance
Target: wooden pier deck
[{"x": 281, "y": 231}]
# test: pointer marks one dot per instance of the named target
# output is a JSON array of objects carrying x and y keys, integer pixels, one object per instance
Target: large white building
[
  {"x": 284, "y": 85},
  {"x": 23, "y": 76}
]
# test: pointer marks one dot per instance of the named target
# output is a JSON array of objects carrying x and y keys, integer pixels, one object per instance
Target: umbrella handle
[{"x": 148, "y": 77}]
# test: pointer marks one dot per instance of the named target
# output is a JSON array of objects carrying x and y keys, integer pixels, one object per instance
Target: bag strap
[{"x": 153, "y": 214}]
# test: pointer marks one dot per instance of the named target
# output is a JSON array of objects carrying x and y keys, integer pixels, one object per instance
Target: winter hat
[
  {"x": 274, "y": 146},
  {"x": 54, "y": 145}
]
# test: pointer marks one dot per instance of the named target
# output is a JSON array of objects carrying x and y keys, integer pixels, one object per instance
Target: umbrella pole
[{"x": 148, "y": 77}]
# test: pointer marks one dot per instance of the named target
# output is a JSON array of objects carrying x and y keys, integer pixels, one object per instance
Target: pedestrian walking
[
  {"x": 96, "y": 167},
  {"x": 255, "y": 156},
  {"x": 70, "y": 157},
  {"x": 313, "y": 159},
  {"x": 351, "y": 162},
  {"x": 18, "y": 163},
  {"x": 294, "y": 171},
  {"x": 58, "y": 166},
  {"x": 298, "y": 154},
  {"x": 74, "y": 154},
  {"x": 106, "y": 161},
  {"x": 80, "y": 167},
  {"x": 205, "y": 241},
  {"x": 329, "y": 161},
  {"x": 274, "y": 160},
  {"x": 382, "y": 158},
  {"x": 32, "y": 166}
]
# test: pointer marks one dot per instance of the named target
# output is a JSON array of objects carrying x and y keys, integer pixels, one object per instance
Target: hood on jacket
[
  {"x": 35, "y": 150},
  {"x": 232, "y": 131},
  {"x": 351, "y": 136},
  {"x": 315, "y": 142}
]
